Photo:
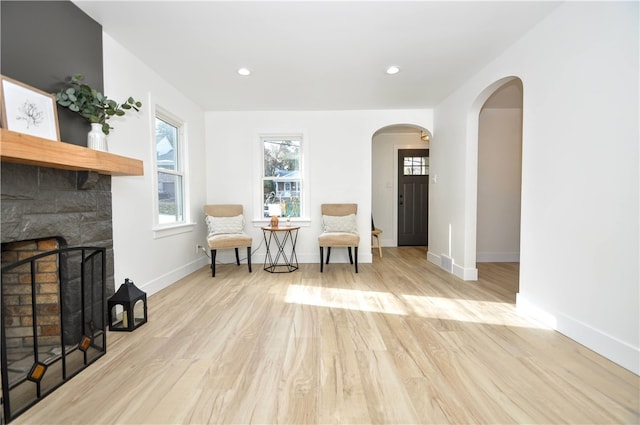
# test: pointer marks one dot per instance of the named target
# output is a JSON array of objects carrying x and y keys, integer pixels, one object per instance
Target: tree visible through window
[
  {"x": 170, "y": 172},
  {"x": 416, "y": 165},
  {"x": 282, "y": 176}
]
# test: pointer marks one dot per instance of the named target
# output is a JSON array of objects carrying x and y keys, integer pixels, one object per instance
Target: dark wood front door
[{"x": 413, "y": 196}]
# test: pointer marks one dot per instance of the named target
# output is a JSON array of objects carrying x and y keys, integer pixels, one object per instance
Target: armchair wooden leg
[
  {"x": 350, "y": 256},
  {"x": 213, "y": 263},
  {"x": 328, "y": 253},
  {"x": 321, "y": 258},
  {"x": 237, "y": 257},
  {"x": 249, "y": 258}
]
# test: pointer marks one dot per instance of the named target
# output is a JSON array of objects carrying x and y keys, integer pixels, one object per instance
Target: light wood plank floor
[{"x": 400, "y": 342}]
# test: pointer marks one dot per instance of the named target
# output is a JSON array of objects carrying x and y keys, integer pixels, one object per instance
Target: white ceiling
[{"x": 316, "y": 55}]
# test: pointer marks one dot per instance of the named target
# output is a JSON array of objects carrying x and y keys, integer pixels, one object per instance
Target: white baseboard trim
[
  {"x": 462, "y": 272},
  {"x": 173, "y": 276},
  {"x": 498, "y": 257},
  {"x": 612, "y": 348},
  {"x": 465, "y": 273},
  {"x": 433, "y": 258}
]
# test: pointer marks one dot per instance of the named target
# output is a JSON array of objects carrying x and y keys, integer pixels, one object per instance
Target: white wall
[
  {"x": 151, "y": 262},
  {"x": 384, "y": 180},
  {"x": 499, "y": 175},
  {"x": 338, "y": 157},
  {"x": 579, "y": 249}
]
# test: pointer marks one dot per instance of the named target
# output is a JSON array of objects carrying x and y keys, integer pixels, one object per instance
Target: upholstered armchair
[
  {"x": 225, "y": 225},
  {"x": 339, "y": 230}
]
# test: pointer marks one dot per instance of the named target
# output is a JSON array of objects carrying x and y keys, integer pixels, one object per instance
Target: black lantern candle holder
[{"x": 128, "y": 296}]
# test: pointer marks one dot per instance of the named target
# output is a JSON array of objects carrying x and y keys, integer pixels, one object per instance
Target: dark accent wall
[{"x": 43, "y": 43}]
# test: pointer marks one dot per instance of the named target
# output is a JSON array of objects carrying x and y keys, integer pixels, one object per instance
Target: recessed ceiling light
[
  {"x": 244, "y": 72},
  {"x": 393, "y": 70}
]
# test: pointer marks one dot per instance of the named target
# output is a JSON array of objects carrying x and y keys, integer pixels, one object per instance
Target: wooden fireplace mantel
[{"x": 22, "y": 148}]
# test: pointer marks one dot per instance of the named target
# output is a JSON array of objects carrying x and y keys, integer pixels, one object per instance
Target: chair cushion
[
  {"x": 225, "y": 225},
  {"x": 229, "y": 240},
  {"x": 342, "y": 224},
  {"x": 338, "y": 239}
]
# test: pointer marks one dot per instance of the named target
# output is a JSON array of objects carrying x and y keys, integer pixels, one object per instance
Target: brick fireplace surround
[{"x": 17, "y": 295}]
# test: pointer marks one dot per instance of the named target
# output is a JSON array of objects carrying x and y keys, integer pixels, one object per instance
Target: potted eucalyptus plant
[{"x": 95, "y": 107}]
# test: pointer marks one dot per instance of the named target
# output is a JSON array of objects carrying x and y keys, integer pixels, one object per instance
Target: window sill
[
  {"x": 171, "y": 230},
  {"x": 265, "y": 222}
]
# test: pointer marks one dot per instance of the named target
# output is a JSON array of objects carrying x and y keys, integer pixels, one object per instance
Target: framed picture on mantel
[{"x": 28, "y": 110}]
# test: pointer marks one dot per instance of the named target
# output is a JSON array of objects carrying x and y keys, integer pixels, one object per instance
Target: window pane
[
  {"x": 169, "y": 171},
  {"x": 166, "y": 145},
  {"x": 282, "y": 158},
  {"x": 170, "y": 198},
  {"x": 416, "y": 166},
  {"x": 286, "y": 194},
  {"x": 282, "y": 184}
]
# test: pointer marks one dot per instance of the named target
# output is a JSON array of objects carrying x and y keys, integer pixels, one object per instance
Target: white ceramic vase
[{"x": 96, "y": 139}]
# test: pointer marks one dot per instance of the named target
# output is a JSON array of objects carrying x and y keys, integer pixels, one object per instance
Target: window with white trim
[
  {"x": 170, "y": 174},
  {"x": 282, "y": 176}
]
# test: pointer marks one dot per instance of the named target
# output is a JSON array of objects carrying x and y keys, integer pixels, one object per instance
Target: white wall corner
[{"x": 531, "y": 310}]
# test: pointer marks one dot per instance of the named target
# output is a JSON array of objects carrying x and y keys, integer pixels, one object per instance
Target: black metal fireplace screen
[{"x": 50, "y": 331}]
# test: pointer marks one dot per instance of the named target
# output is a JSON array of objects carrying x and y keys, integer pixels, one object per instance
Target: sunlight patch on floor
[
  {"x": 351, "y": 299},
  {"x": 454, "y": 309},
  {"x": 473, "y": 311}
]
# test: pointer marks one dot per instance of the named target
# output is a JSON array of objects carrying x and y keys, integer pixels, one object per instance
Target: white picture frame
[{"x": 28, "y": 110}]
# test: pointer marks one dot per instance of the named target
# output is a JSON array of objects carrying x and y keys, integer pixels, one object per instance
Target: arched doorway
[
  {"x": 387, "y": 145},
  {"x": 495, "y": 155},
  {"x": 500, "y": 175}
]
